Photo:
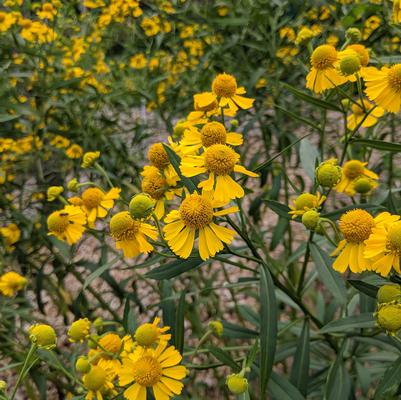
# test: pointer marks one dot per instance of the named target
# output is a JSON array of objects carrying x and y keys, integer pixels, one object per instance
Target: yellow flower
[
  {"x": 43, "y": 336},
  {"x": 306, "y": 202},
  {"x": 158, "y": 157},
  {"x": 67, "y": 224},
  {"x": 148, "y": 334},
  {"x": 11, "y": 283},
  {"x": 384, "y": 86},
  {"x": 79, "y": 330},
  {"x": 90, "y": 158},
  {"x": 47, "y": 12},
  {"x": 304, "y": 36},
  {"x": 130, "y": 234},
  {"x": 359, "y": 113},
  {"x": 74, "y": 151},
  {"x": 352, "y": 170},
  {"x": 98, "y": 382},
  {"x": 324, "y": 74},
  {"x": 362, "y": 52},
  {"x": 138, "y": 61},
  {"x": 216, "y": 327},
  {"x": 157, "y": 369},
  {"x": 60, "y": 142},
  {"x": 383, "y": 247},
  {"x": 219, "y": 162},
  {"x": 356, "y": 227},
  {"x": 7, "y": 20},
  {"x": 151, "y": 26},
  {"x": 11, "y": 235},
  {"x": 396, "y": 16},
  {"x": 196, "y": 213},
  {"x": 94, "y": 3},
  {"x": 96, "y": 203},
  {"x": 53, "y": 192}
]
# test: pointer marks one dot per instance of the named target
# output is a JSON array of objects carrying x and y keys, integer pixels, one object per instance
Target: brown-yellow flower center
[
  {"x": 220, "y": 159},
  {"x": 111, "y": 342},
  {"x": 92, "y": 197},
  {"x": 224, "y": 85},
  {"x": 154, "y": 185},
  {"x": 324, "y": 57},
  {"x": 356, "y": 225},
  {"x": 147, "y": 371},
  {"x": 146, "y": 334},
  {"x": 394, "y": 77},
  {"x": 213, "y": 133},
  {"x": 95, "y": 378},
  {"x": 394, "y": 238},
  {"x": 123, "y": 226},
  {"x": 158, "y": 156},
  {"x": 353, "y": 168},
  {"x": 58, "y": 221},
  {"x": 196, "y": 211}
]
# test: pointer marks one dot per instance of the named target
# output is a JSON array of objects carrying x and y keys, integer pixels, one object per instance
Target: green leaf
[
  {"x": 325, "y": 105},
  {"x": 298, "y": 117},
  {"x": 179, "y": 324},
  {"x": 308, "y": 154},
  {"x": 238, "y": 332},
  {"x": 129, "y": 319},
  {"x": 329, "y": 277},
  {"x": 391, "y": 381},
  {"x": 379, "y": 144},
  {"x": 173, "y": 269},
  {"x": 268, "y": 327},
  {"x": 8, "y": 117},
  {"x": 225, "y": 358},
  {"x": 364, "y": 287},
  {"x": 280, "y": 209},
  {"x": 349, "y": 323},
  {"x": 300, "y": 366},
  {"x": 281, "y": 389},
  {"x": 98, "y": 272}
]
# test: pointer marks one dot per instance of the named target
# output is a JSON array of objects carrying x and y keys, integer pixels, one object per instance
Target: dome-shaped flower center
[
  {"x": 111, "y": 342},
  {"x": 146, "y": 334},
  {"x": 95, "y": 378},
  {"x": 305, "y": 200},
  {"x": 123, "y": 226},
  {"x": 356, "y": 225},
  {"x": 147, "y": 371},
  {"x": 324, "y": 56},
  {"x": 362, "y": 52},
  {"x": 220, "y": 159},
  {"x": 394, "y": 77},
  {"x": 158, "y": 156},
  {"x": 58, "y": 221},
  {"x": 224, "y": 85},
  {"x": 92, "y": 197},
  {"x": 154, "y": 185},
  {"x": 196, "y": 211},
  {"x": 213, "y": 133},
  {"x": 394, "y": 237},
  {"x": 353, "y": 168}
]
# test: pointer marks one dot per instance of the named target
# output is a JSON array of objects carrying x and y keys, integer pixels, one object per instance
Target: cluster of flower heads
[{"x": 132, "y": 364}]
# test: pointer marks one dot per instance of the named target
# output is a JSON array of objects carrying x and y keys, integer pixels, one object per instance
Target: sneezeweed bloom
[
  {"x": 324, "y": 73},
  {"x": 383, "y": 247},
  {"x": 47, "y": 12},
  {"x": 147, "y": 335},
  {"x": 79, "y": 330},
  {"x": 362, "y": 117},
  {"x": 53, "y": 192},
  {"x": 328, "y": 173},
  {"x": 67, "y": 224},
  {"x": 130, "y": 234},
  {"x": 11, "y": 235},
  {"x": 196, "y": 214},
  {"x": 396, "y": 16},
  {"x": 384, "y": 86},
  {"x": 90, "y": 158},
  {"x": 96, "y": 203},
  {"x": 11, "y": 282},
  {"x": 356, "y": 226},
  {"x": 98, "y": 382},
  {"x": 158, "y": 157},
  {"x": 219, "y": 162},
  {"x": 388, "y": 294},
  {"x": 74, "y": 151},
  {"x": 306, "y": 202},
  {"x": 388, "y": 317},
  {"x": 43, "y": 336},
  {"x": 157, "y": 369},
  {"x": 352, "y": 170}
]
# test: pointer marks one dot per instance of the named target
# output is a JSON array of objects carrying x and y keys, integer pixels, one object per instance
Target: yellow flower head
[
  {"x": 216, "y": 327},
  {"x": 158, "y": 369},
  {"x": 148, "y": 335},
  {"x": 74, "y": 151},
  {"x": 110, "y": 342},
  {"x": 67, "y": 224},
  {"x": 53, "y": 192},
  {"x": 11, "y": 235},
  {"x": 43, "y": 336},
  {"x": 389, "y": 318},
  {"x": 79, "y": 330},
  {"x": 98, "y": 382},
  {"x": 90, "y": 158},
  {"x": 157, "y": 155},
  {"x": 363, "y": 115},
  {"x": 11, "y": 282},
  {"x": 130, "y": 234},
  {"x": 396, "y": 16},
  {"x": 306, "y": 202}
]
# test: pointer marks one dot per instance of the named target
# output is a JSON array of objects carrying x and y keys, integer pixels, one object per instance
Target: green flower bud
[
  {"x": 82, "y": 365},
  {"x": 53, "y": 192},
  {"x": 179, "y": 128},
  {"x": 216, "y": 327},
  {"x": 364, "y": 185},
  {"x": 353, "y": 35},
  {"x": 350, "y": 65},
  {"x": 310, "y": 219},
  {"x": 73, "y": 185},
  {"x": 389, "y": 318},
  {"x": 236, "y": 383},
  {"x": 328, "y": 173},
  {"x": 43, "y": 336},
  {"x": 98, "y": 324},
  {"x": 388, "y": 293},
  {"x": 234, "y": 123},
  {"x": 141, "y": 206},
  {"x": 346, "y": 103}
]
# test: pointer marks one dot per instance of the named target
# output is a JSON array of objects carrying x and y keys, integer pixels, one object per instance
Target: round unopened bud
[
  {"x": 346, "y": 103},
  {"x": 53, "y": 192},
  {"x": 73, "y": 185},
  {"x": 3, "y": 385},
  {"x": 43, "y": 336},
  {"x": 328, "y": 173},
  {"x": 216, "y": 327},
  {"x": 90, "y": 158},
  {"x": 179, "y": 129},
  {"x": 236, "y": 383},
  {"x": 388, "y": 293},
  {"x": 389, "y": 318},
  {"x": 350, "y": 65},
  {"x": 92, "y": 341},
  {"x": 353, "y": 35},
  {"x": 364, "y": 185},
  {"x": 82, "y": 365},
  {"x": 141, "y": 206},
  {"x": 79, "y": 330},
  {"x": 310, "y": 219},
  {"x": 234, "y": 123},
  {"x": 98, "y": 324}
]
